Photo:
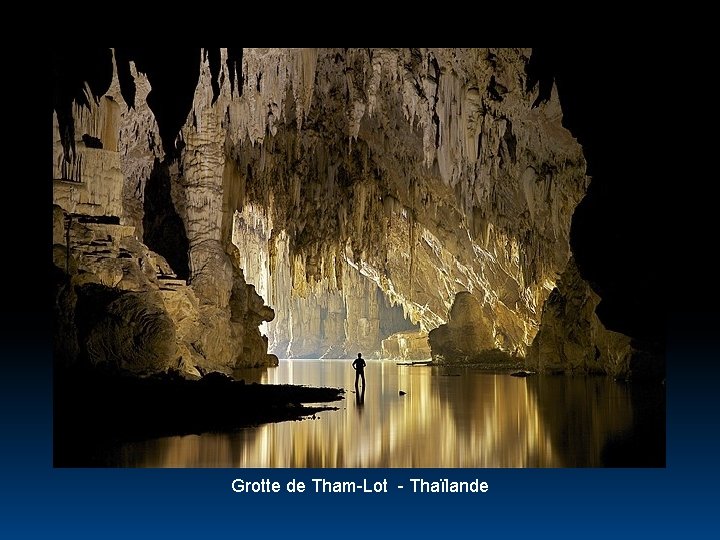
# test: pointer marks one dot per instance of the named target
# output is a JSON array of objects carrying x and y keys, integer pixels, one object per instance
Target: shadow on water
[{"x": 623, "y": 423}]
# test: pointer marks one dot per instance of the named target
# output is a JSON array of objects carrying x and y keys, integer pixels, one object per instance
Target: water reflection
[
  {"x": 448, "y": 418},
  {"x": 360, "y": 399}
]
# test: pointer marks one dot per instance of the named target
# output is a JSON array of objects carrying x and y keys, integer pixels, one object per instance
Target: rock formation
[
  {"x": 361, "y": 193},
  {"x": 572, "y": 337},
  {"x": 120, "y": 304},
  {"x": 466, "y": 333}
]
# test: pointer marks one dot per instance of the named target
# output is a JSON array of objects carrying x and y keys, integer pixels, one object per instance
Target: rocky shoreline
[{"x": 95, "y": 411}]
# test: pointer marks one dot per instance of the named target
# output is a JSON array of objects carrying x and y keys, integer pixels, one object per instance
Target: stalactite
[{"x": 315, "y": 149}]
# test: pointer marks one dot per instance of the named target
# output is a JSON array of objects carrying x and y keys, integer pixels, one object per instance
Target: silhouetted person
[{"x": 359, "y": 366}]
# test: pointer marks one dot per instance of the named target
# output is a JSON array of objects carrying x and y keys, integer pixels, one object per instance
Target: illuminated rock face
[
  {"x": 331, "y": 318},
  {"x": 419, "y": 173},
  {"x": 406, "y": 346}
]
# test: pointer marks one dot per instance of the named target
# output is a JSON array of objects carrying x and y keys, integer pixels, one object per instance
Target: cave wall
[
  {"x": 420, "y": 173},
  {"x": 115, "y": 193},
  {"x": 429, "y": 169}
]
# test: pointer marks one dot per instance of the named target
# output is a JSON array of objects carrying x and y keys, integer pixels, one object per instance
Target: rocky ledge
[{"x": 95, "y": 410}]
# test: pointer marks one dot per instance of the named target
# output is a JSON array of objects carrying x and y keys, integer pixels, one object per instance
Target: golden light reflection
[{"x": 448, "y": 418}]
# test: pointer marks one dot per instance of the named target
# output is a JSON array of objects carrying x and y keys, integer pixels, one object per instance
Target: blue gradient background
[{"x": 39, "y": 501}]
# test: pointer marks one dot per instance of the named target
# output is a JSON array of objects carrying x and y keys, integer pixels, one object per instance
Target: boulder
[
  {"x": 572, "y": 338},
  {"x": 133, "y": 334},
  {"x": 467, "y": 333}
]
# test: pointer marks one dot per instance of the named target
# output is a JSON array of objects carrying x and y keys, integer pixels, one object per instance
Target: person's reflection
[{"x": 360, "y": 399}]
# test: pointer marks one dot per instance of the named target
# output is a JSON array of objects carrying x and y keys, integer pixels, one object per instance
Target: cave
[{"x": 238, "y": 211}]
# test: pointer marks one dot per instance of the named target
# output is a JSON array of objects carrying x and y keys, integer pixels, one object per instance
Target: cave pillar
[
  {"x": 202, "y": 168},
  {"x": 230, "y": 308}
]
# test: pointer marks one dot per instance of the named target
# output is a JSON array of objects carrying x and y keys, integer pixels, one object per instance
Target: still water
[{"x": 449, "y": 417}]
